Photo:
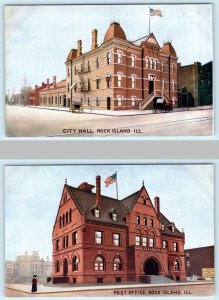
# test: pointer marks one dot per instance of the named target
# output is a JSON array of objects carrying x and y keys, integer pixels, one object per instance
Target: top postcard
[{"x": 109, "y": 70}]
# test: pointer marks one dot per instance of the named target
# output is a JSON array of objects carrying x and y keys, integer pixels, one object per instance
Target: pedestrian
[{"x": 34, "y": 284}]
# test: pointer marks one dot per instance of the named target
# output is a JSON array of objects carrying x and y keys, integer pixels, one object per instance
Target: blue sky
[
  {"x": 32, "y": 196},
  {"x": 39, "y": 38}
]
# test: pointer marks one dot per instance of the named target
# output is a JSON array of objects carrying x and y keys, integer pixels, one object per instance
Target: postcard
[
  {"x": 109, "y": 230},
  {"x": 109, "y": 70}
]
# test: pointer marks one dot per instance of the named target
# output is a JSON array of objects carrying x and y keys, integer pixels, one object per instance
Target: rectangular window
[
  {"x": 88, "y": 65},
  {"x": 119, "y": 57},
  {"x": 97, "y": 213},
  {"x": 133, "y": 82},
  {"x": 164, "y": 244},
  {"x": 133, "y": 61},
  {"x": 98, "y": 237},
  {"x": 115, "y": 217},
  {"x": 137, "y": 219},
  {"x": 68, "y": 88},
  {"x": 65, "y": 241},
  {"x": 74, "y": 238},
  {"x": 175, "y": 247},
  {"x": 75, "y": 70},
  {"x": 119, "y": 101},
  {"x": 145, "y": 221},
  {"x": 99, "y": 280},
  {"x": 137, "y": 240},
  {"x": 97, "y": 101},
  {"x": 151, "y": 222},
  {"x": 116, "y": 239},
  {"x": 118, "y": 279},
  {"x": 119, "y": 80},
  {"x": 133, "y": 101},
  {"x": 151, "y": 242},
  {"x": 68, "y": 72},
  {"x": 108, "y": 58},
  {"x": 88, "y": 84},
  {"x": 188, "y": 263},
  {"x": 162, "y": 226},
  {"x": 57, "y": 245},
  {"x": 98, "y": 84},
  {"x": 144, "y": 241},
  {"x": 98, "y": 62}
]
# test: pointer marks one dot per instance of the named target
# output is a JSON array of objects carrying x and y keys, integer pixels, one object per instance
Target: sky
[
  {"x": 33, "y": 193},
  {"x": 38, "y": 38}
]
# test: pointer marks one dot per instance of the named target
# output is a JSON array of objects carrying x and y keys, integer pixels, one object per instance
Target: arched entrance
[
  {"x": 65, "y": 267},
  {"x": 151, "y": 80},
  {"x": 151, "y": 267}
]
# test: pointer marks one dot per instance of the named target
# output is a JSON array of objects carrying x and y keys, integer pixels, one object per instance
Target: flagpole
[
  {"x": 117, "y": 186},
  {"x": 149, "y": 20}
]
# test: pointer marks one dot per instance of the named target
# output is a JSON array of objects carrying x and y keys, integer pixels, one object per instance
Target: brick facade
[
  {"x": 121, "y": 75},
  {"x": 34, "y": 95},
  {"x": 101, "y": 239}
]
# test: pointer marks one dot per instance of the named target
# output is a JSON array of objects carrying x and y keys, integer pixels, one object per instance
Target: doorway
[
  {"x": 151, "y": 267},
  {"x": 108, "y": 103},
  {"x": 151, "y": 86}
]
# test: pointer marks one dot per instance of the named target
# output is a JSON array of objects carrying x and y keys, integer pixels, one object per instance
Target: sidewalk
[{"x": 121, "y": 113}]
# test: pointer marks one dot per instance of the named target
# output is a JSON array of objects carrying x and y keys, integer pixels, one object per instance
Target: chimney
[
  {"x": 79, "y": 52},
  {"x": 98, "y": 191},
  {"x": 54, "y": 80},
  {"x": 36, "y": 86},
  {"x": 157, "y": 204},
  {"x": 47, "y": 82},
  {"x": 43, "y": 84},
  {"x": 94, "y": 44}
]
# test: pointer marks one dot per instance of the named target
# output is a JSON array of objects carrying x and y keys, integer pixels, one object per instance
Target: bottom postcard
[{"x": 109, "y": 230}]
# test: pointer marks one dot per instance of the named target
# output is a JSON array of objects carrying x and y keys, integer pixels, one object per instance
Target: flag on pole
[
  {"x": 111, "y": 179},
  {"x": 155, "y": 12}
]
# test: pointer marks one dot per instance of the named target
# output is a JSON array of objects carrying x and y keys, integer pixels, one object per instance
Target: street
[
  {"x": 175, "y": 289},
  {"x": 38, "y": 122}
]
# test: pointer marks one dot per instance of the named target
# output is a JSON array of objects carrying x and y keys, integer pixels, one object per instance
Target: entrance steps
[{"x": 155, "y": 279}]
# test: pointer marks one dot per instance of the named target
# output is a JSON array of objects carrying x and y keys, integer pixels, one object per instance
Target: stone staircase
[{"x": 148, "y": 102}]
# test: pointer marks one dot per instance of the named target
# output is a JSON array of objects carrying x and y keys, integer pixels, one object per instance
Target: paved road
[
  {"x": 186, "y": 290},
  {"x": 28, "y": 121}
]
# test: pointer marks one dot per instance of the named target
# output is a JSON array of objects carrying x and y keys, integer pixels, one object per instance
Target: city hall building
[
  {"x": 119, "y": 74},
  {"x": 98, "y": 239}
]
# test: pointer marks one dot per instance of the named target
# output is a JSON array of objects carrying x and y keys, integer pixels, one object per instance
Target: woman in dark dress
[{"x": 34, "y": 284}]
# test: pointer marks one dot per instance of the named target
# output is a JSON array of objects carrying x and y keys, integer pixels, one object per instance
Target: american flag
[
  {"x": 111, "y": 179},
  {"x": 155, "y": 12}
]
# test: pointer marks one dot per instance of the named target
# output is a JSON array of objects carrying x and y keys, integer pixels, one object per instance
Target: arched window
[
  {"x": 117, "y": 264},
  {"x": 155, "y": 64},
  {"x": 133, "y": 81},
  {"x": 133, "y": 60},
  {"x": 57, "y": 266},
  {"x": 119, "y": 54},
  {"x": 108, "y": 58},
  {"x": 119, "y": 79},
  {"x": 99, "y": 264},
  {"x": 74, "y": 263},
  {"x": 144, "y": 241},
  {"x": 176, "y": 265},
  {"x": 147, "y": 63},
  {"x": 151, "y": 63}
]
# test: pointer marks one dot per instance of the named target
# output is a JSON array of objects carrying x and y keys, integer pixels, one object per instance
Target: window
[
  {"x": 137, "y": 219},
  {"x": 119, "y": 80},
  {"x": 88, "y": 84},
  {"x": 97, "y": 213},
  {"x": 144, "y": 200},
  {"x": 162, "y": 226},
  {"x": 164, "y": 244},
  {"x": 68, "y": 72},
  {"x": 155, "y": 64},
  {"x": 145, "y": 220},
  {"x": 147, "y": 63},
  {"x": 57, "y": 266},
  {"x": 118, "y": 279},
  {"x": 162, "y": 67},
  {"x": 116, "y": 239},
  {"x": 133, "y": 101},
  {"x": 100, "y": 280},
  {"x": 144, "y": 241},
  {"x": 137, "y": 240},
  {"x": 133, "y": 60},
  {"x": 188, "y": 263},
  {"x": 98, "y": 62},
  {"x": 65, "y": 241},
  {"x": 74, "y": 263},
  {"x": 60, "y": 221},
  {"x": 151, "y": 64},
  {"x": 151, "y": 222},
  {"x": 66, "y": 215},
  {"x": 108, "y": 81},
  {"x": 119, "y": 57},
  {"x": 173, "y": 228},
  {"x": 98, "y": 83},
  {"x": 115, "y": 216},
  {"x": 98, "y": 237},
  {"x": 74, "y": 238},
  {"x": 176, "y": 265},
  {"x": 88, "y": 65},
  {"x": 57, "y": 245},
  {"x": 76, "y": 70},
  {"x": 108, "y": 58},
  {"x": 70, "y": 215},
  {"x": 63, "y": 219},
  {"x": 97, "y": 101},
  {"x": 99, "y": 264},
  {"x": 151, "y": 242},
  {"x": 174, "y": 85},
  {"x": 117, "y": 264},
  {"x": 175, "y": 247},
  {"x": 88, "y": 101},
  {"x": 133, "y": 81},
  {"x": 163, "y": 84}
]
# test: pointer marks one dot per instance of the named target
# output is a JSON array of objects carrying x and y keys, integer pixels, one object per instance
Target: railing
[
  {"x": 145, "y": 102},
  {"x": 82, "y": 71}
]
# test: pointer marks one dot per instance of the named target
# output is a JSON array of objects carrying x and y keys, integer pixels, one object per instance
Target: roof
[
  {"x": 86, "y": 202},
  {"x": 167, "y": 230},
  {"x": 140, "y": 41},
  {"x": 72, "y": 54},
  {"x": 168, "y": 49},
  {"x": 114, "y": 31},
  {"x": 59, "y": 84}
]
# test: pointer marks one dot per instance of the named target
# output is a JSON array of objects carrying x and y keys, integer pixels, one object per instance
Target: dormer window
[
  {"x": 162, "y": 226},
  {"x": 173, "y": 228},
  {"x": 96, "y": 213}
]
